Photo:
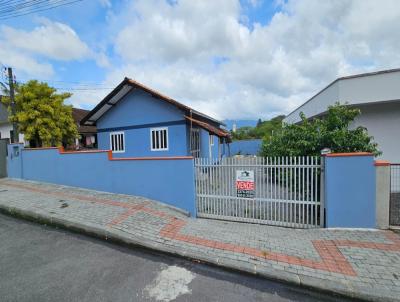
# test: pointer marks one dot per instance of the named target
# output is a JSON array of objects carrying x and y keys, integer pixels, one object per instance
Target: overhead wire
[
  {"x": 19, "y": 5},
  {"x": 39, "y": 8},
  {"x": 11, "y": 7},
  {"x": 31, "y": 7},
  {"x": 79, "y": 86}
]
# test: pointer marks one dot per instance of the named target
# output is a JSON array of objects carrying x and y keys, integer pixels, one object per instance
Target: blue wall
[
  {"x": 245, "y": 147},
  {"x": 205, "y": 147},
  {"x": 204, "y": 144},
  {"x": 139, "y": 108},
  {"x": 169, "y": 181},
  {"x": 138, "y": 144},
  {"x": 135, "y": 115},
  {"x": 350, "y": 191}
]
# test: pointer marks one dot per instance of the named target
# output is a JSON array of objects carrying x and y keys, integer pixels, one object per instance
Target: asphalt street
[{"x": 41, "y": 263}]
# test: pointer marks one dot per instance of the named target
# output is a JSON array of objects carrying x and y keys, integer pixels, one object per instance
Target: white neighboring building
[
  {"x": 88, "y": 134},
  {"x": 6, "y": 127},
  {"x": 376, "y": 94}
]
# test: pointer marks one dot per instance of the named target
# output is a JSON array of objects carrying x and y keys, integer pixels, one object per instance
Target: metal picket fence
[
  {"x": 284, "y": 191},
  {"x": 394, "y": 210}
]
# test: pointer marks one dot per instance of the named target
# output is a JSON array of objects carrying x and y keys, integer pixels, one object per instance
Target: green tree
[
  {"x": 41, "y": 114},
  {"x": 263, "y": 129},
  {"x": 309, "y": 137}
]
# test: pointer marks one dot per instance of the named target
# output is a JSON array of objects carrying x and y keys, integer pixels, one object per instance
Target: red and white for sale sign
[{"x": 245, "y": 184}]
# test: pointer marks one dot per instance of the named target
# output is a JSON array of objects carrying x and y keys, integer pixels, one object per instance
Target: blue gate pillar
[
  {"x": 350, "y": 190},
  {"x": 14, "y": 160}
]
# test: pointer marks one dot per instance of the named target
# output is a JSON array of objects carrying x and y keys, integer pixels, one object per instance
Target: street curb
[{"x": 321, "y": 285}]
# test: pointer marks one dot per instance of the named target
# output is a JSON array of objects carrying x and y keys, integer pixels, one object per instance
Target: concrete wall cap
[
  {"x": 379, "y": 163},
  {"x": 349, "y": 154}
]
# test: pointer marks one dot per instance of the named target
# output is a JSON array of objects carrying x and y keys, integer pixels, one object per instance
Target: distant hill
[
  {"x": 262, "y": 129},
  {"x": 240, "y": 123}
]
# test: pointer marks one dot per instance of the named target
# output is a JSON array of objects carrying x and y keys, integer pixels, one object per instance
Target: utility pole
[{"x": 14, "y": 138}]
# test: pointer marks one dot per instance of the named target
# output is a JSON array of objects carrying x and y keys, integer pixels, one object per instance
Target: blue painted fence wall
[
  {"x": 350, "y": 191},
  {"x": 168, "y": 180},
  {"x": 245, "y": 147}
]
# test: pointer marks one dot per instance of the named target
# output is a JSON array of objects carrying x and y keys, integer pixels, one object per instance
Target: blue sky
[
  {"x": 232, "y": 59},
  {"x": 89, "y": 19}
]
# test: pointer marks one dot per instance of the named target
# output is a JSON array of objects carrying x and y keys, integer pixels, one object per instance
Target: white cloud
[
  {"x": 200, "y": 53},
  {"x": 33, "y": 52},
  {"x": 53, "y": 40},
  {"x": 23, "y": 62}
]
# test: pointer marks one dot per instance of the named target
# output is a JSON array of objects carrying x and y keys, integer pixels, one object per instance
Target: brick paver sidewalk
[{"x": 359, "y": 263}]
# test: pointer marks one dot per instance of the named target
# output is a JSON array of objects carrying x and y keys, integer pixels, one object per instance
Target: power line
[
  {"x": 83, "y": 89},
  {"x": 12, "y": 7},
  {"x": 31, "y": 7},
  {"x": 74, "y": 85},
  {"x": 10, "y": 1},
  {"x": 79, "y": 83},
  {"x": 15, "y": 13}
]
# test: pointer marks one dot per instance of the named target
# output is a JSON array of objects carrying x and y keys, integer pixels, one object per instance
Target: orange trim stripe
[
  {"x": 349, "y": 154},
  {"x": 43, "y": 148},
  {"x": 382, "y": 163},
  {"x": 83, "y": 152},
  {"x": 109, "y": 154},
  {"x": 152, "y": 158}
]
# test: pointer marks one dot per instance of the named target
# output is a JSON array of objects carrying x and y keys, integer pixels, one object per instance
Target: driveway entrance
[{"x": 283, "y": 191}]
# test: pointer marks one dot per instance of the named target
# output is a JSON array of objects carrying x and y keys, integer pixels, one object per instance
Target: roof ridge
[{"x": 147, "y": 89}]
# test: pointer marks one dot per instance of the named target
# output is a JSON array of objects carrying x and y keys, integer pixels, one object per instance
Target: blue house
[{"x": 137, "y": 121}]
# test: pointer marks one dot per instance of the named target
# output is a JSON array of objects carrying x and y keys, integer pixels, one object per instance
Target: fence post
[
  {"x": 382, "y": 193},
  {"x": 350, "y": 190},
  {"x": 322, "y": 194},
  {"x": 14, "y": 160}
]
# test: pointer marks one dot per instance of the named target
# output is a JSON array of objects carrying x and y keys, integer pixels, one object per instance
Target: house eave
[{"x": 123, "y": 89}]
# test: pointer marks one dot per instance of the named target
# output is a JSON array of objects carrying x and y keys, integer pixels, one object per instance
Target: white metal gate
[{"x": 284, "y": 191}]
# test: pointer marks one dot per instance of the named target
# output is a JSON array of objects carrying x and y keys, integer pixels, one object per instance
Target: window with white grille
[
  {"x": 159, "y": 139},
  {"x": 117, "y": 142}
]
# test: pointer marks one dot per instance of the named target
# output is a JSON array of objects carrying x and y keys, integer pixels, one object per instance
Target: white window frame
[
  {"x": 211, "y": 139},
  {"x": 123, "y": 139},
  {"x": 210, "y": 144},
  {"x": 151, "y": 138}
]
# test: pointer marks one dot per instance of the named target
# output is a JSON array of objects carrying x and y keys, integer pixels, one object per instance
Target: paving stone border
[{"x": 345, "y": 263}]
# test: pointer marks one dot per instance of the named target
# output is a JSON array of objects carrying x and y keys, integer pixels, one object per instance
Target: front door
[{"x": 195, "y": 142}]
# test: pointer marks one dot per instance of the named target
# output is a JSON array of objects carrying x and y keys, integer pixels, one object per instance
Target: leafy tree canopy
[
  {"x": 262, "y": 129},
  {"x": 41, "y": 114},
  {"x": 332, "y": 131}
]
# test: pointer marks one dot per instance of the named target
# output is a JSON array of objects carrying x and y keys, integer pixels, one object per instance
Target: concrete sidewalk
[{"x": 362, "y": 264}]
